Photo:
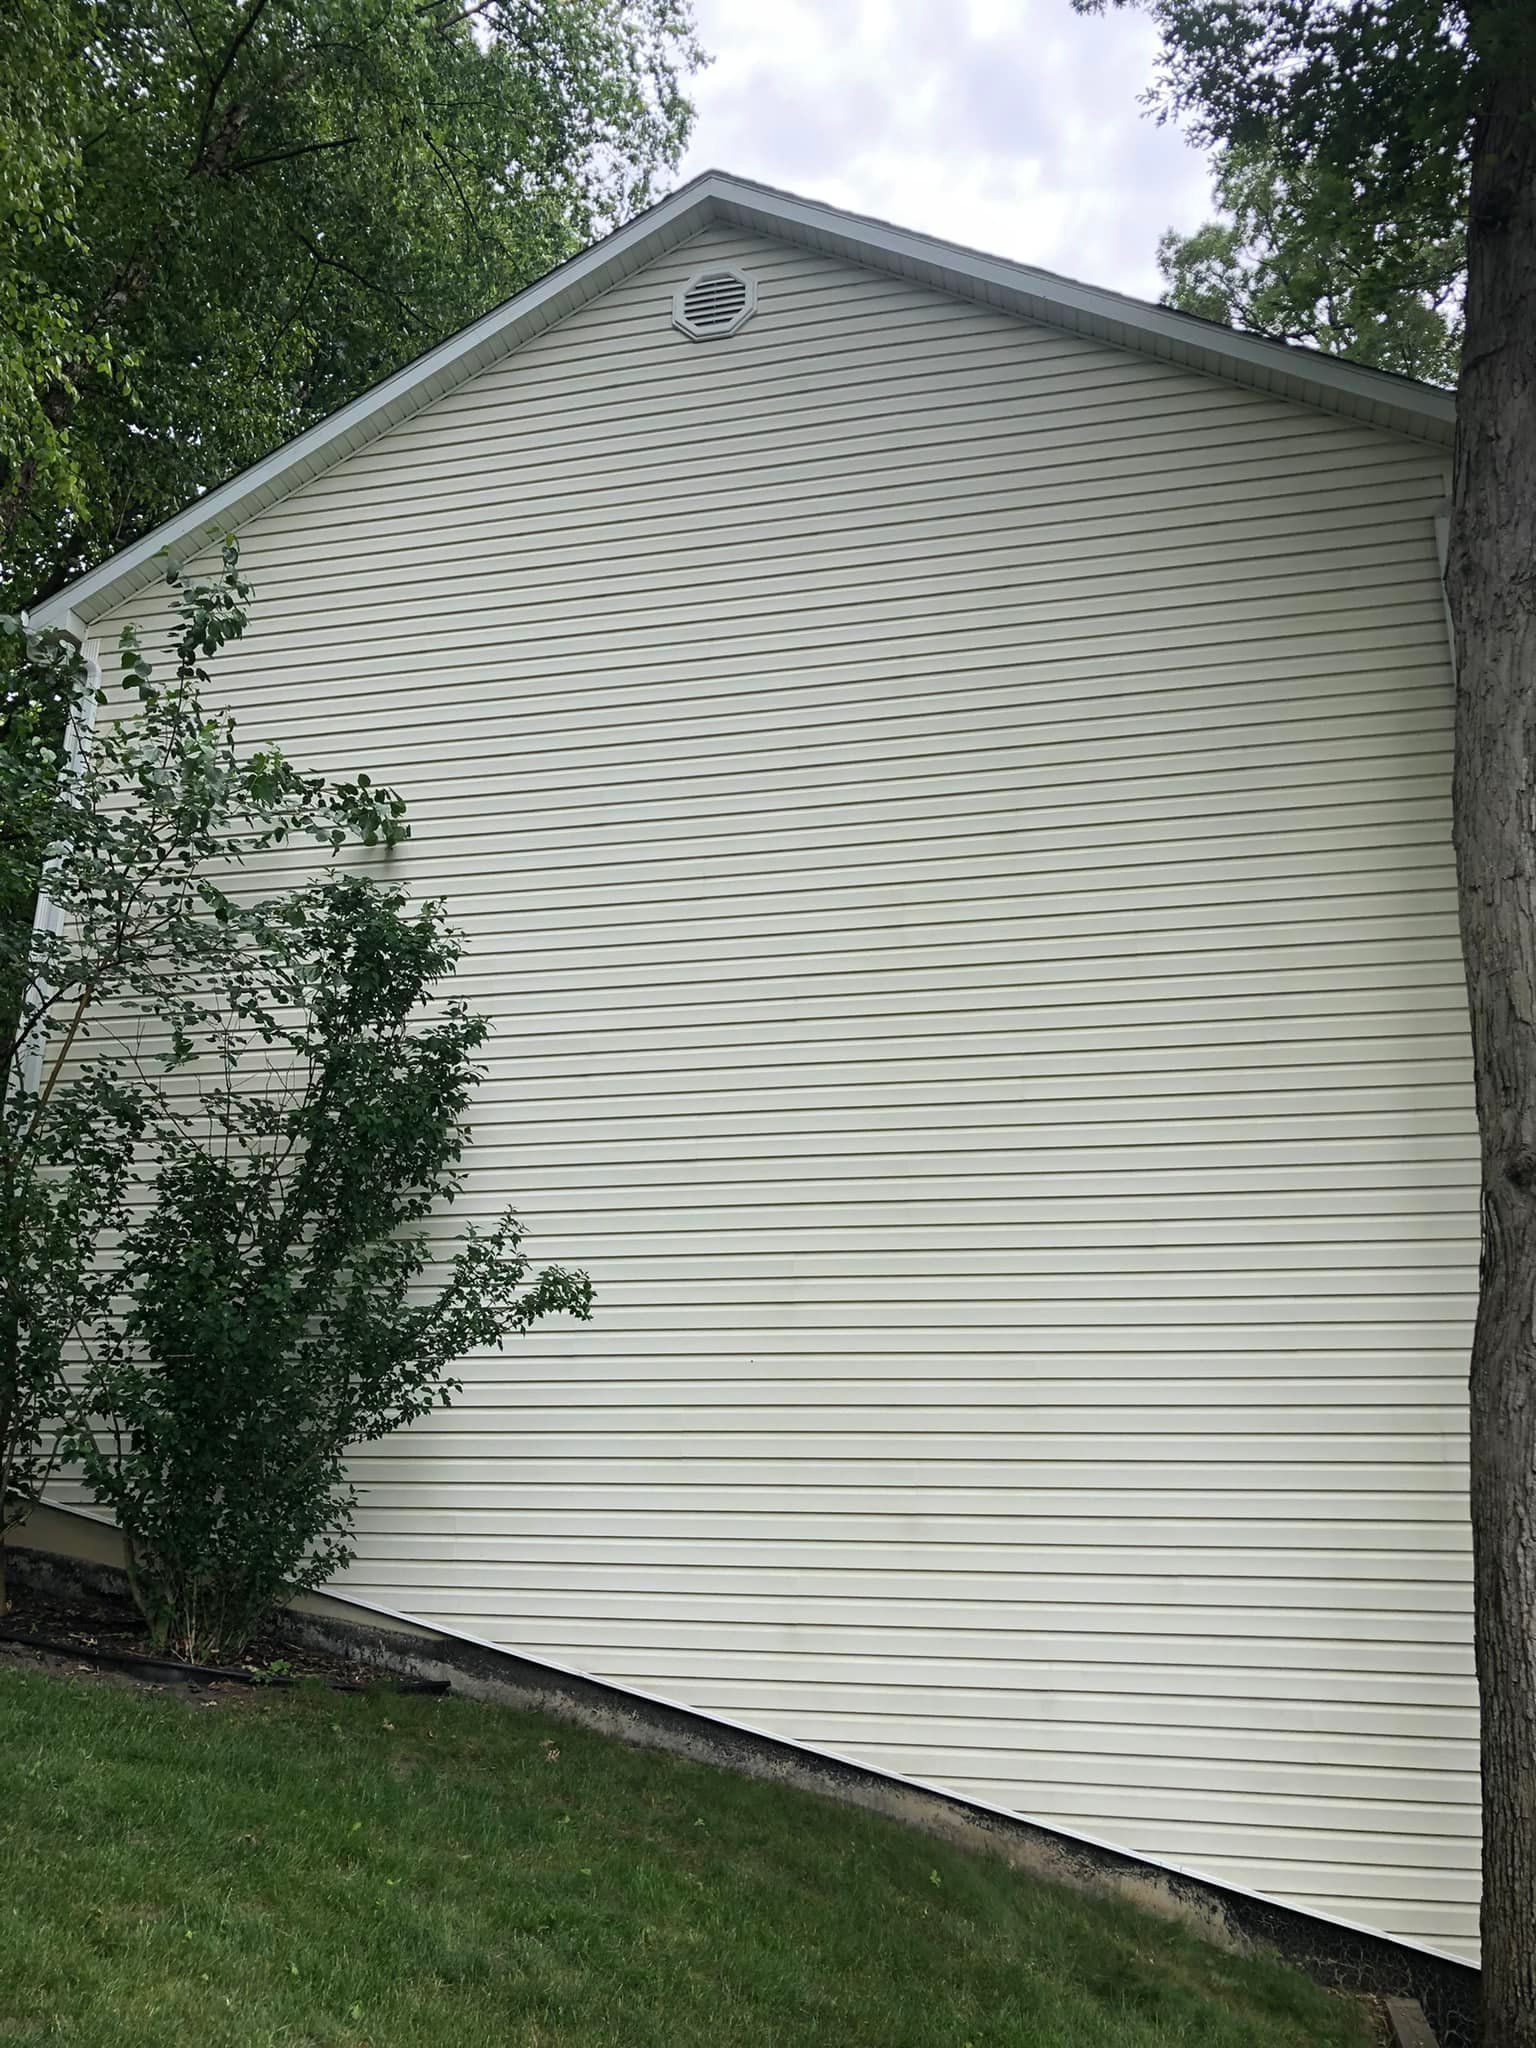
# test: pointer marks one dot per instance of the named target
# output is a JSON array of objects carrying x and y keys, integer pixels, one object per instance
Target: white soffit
[{"x": 1370, "y": 396}]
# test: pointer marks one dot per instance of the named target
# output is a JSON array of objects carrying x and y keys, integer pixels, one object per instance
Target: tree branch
[
  {"x": 236, "y": 44},
  {"x": 345, "y": 269},
  {"x": 468, "y": 14},
  {"x": 301, "y": 306},
  {"x": 282, "y": 156},
  {"x": 191, "y": 28},
  {"x": 482, "y": 233}
]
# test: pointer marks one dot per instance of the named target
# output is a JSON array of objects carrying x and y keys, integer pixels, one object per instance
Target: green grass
[{"x": 435, "y": 1874}]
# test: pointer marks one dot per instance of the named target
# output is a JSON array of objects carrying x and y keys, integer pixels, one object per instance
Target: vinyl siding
[{"x": 952, "y": 824}]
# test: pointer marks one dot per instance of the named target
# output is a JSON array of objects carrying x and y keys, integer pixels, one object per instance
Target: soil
[{"x": 93, "y": 1631}]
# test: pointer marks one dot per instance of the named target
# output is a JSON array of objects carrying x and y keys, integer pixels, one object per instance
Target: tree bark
[{"x": 1492, "y": 588}]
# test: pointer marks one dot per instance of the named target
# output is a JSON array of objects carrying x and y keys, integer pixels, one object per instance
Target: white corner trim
[{"x": 47, "y": 915}]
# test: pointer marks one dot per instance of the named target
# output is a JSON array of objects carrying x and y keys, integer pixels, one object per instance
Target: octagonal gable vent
[{"x": 714, "y": 303}]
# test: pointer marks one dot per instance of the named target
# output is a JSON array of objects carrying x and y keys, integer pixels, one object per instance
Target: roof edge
[
  {"x": 748, "y": 203},
  {"x": 1376, "y": 397},
  {"x": 406, "y": 390}
]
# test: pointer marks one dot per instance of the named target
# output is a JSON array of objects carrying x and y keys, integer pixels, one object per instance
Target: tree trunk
[{"x": 1492, "y": 585}]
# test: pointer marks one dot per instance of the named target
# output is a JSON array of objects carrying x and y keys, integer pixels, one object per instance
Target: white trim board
[{"x": 1371, "y": 396}]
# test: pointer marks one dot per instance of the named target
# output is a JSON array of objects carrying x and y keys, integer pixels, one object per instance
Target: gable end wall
[{"x": 952, "y": 823}]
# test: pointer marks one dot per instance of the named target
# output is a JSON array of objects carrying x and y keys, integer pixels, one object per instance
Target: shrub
[
  {"x": 225, "y": 1119},
  {"x": 114, "y": 841},
  {"x": 282, "y": 1295}
]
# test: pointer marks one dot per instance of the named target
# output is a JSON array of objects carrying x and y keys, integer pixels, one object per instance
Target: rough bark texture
[{"x": 1492, "y": 582}]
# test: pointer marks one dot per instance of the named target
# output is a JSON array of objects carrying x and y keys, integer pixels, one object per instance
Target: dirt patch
[{"x": 43, "y": 1630}]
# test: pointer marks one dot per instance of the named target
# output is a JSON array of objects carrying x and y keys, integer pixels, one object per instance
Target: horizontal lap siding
[{"x": 951, "y": 822}]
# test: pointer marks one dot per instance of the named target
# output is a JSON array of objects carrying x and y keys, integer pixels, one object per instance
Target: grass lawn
[{"x": 384, "y": 1872}]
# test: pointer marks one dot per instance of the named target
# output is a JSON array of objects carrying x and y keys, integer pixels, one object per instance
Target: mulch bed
[{"x": 106, "y": 1634}]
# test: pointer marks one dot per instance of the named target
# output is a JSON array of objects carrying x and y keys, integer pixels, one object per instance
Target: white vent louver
[{"x": 714, "y": 303}]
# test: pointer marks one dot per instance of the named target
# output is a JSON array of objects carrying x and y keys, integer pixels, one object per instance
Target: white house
[{"x": 947, "y": 775}]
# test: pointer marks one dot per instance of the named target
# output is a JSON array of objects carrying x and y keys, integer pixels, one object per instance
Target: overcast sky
[{"x": 1010, "y": 125}]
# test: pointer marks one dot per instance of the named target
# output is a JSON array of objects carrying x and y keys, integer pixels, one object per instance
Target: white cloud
[{"x": 1010, "y": 125}]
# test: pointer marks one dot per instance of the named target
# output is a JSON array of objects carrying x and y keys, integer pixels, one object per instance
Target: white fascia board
[
  {"x": 1061, "y": 301},
  {"x": 410, "y": 388},
  {"x": 1396, "y": 403}
]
